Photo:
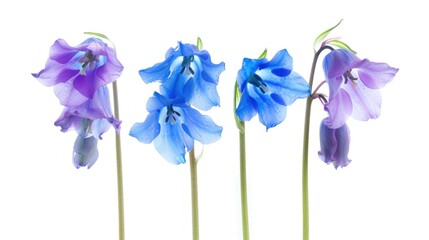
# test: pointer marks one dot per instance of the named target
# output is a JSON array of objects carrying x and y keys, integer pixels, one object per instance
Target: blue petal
[
  {"x": 248, "y": 68},
  {"x": 200, "y": 127},
  {"x": 247, "y": 107},
  {"x": 270, "y": 112},
  {"x": 148, "y": 130},
  {"x": 289, "y": 88},
  {"x": 171, "y": 143},
  {"x": 210, "y": 72},
  {"x": 159, "y": 72},
  {"x": 202, "y": 95},
  {"x": 282, "y": 59}
]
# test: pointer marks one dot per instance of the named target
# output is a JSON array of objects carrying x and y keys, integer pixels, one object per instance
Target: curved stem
[
  {"x": 119, "y": 167},
  {"x": 305, "y": 203},
  {"x": 243, "y": 184},
  {"x": 194, "y": 192}
]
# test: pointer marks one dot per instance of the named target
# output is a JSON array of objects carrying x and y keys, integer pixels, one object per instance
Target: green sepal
[
  {"x": 323, "y": 35},
  {"x": 199, "y": 44},
  {"x": 237, "y": 96},
  {"x": 263, "y": 54},
  {"x": 340, "y": 44}
]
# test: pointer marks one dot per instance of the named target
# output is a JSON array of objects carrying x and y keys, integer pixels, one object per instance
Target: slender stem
[
  {"x": 305, "y": 204},
  {"x": 194, "y": 190},
  {"x": 243, "y": 184},
  {"x": 119, "y": 167}
]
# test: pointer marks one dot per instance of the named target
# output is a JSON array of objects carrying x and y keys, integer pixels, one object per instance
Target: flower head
[
  {"x": 78, "y": 72},
  {"x": 353, "y": 86},
  {"x": 90, "y": 120},
  {"x": 173, "y": 126},
  {"x": 334, "y": 145},
  {"x": 189, "y": 73},
  {"x": 268, "y": 87}
]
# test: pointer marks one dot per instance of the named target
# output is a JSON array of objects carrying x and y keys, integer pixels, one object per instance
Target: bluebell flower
[
  {"x": 354, "y": 86},
  {"x": 187, "y": 72},
  {"x": 268, "y": 87},
  {"x": 173, "y": 125},
  {"x": 90, "y": 120},
  {"x": 78, "y": 72},
  {"x": 334, "y": 145}
]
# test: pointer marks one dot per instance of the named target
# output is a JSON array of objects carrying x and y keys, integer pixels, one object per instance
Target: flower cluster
[
  {"x": 354, "y": 85},
  {"x": 188, "y": 82},
  {"x": 268, "y": 87},
  {"x": 79, "y": 76}
]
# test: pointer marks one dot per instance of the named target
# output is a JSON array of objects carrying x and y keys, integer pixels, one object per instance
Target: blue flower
[
  {"x": 268, "y": 87},
  {"x": 334, "y": 145},
  {"x": 173, "y": 125},
  {"x": 187, "y": 72},
  {"x": 78, "y": 72},
  {"x": 90, "y": 120}
]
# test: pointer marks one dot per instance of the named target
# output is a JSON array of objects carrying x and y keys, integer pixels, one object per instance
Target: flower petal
[
  {"x": 200, "y": 127},
  {"x": 339, "y": 108},
  {"x": 375, "y": 75},
  {"x": 85, "y": 151},
  {"x": 148, "y": 130},
  {"x": 366, "y": 102}
]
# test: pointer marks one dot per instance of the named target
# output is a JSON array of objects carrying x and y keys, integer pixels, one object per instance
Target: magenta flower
[
  {"x": 90, "y": 120},
  {"x": 353, "y": 87},
  {"x": 334, "y": 145},
  {"x": 78, "y": 72}
]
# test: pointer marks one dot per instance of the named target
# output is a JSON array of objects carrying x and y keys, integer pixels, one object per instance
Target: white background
[{"x": 382, "y": 194}]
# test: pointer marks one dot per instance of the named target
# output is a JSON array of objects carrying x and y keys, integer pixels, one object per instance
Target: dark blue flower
[
  {"x": 90, "y": 120},
  {"x": 78, "y": 72},
  {"x": 187, "y": 72},
  {"x": 173, "y": 125},
  {"x": 334, "y": 145},
  {"x": 268, "y": 87}
]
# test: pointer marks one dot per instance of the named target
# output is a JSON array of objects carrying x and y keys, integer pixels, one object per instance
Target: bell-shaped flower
[
  {"x": 173, "y": 125},
  {"x": 354, "y": 86},
  {"x": 78, "y": 72},
  {"x": 188, "y": 72},
  {"x": 268, "y": 87},
  {"x": 90, "y": 120},
  {"x": 334, "y": 145}
]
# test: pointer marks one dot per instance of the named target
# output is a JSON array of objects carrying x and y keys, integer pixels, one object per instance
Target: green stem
[
  {"x": 243, "y": 184},
  {"x": 305, "y": 204},
  {"x": 194, "y": 191},
  {"x": 119, "y": 167}
]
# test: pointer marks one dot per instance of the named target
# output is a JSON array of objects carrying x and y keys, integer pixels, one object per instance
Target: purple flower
[
  {"x": 173, "y": 125},
  {"x": 268, "y": 87},
  {"x": 353, "y": 87},
  {"x": 78, "y": 72},
  {"x": 90, "y": 120},
  {"x": 187, "y": 72},
  {"x": 334, "y": 145}
]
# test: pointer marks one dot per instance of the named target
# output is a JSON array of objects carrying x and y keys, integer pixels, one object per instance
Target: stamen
[
  {"x": 258, "y": 82},
  {"x": 186, "y": 65},
  {"x": 88, "y": 61},
  {"x": 171, "y": 113},
  {"x": 348, "y": 75}
]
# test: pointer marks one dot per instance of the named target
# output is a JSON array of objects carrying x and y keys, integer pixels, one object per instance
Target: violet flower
[
  {"x": 334, "y": 145},
  {"x": 90, "y": 120},
  {"x": 78, "y": 72},
  {"x": 353, "y": 87}
]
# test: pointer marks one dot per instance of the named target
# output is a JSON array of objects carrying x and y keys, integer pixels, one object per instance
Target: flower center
[
  {"x": 171, "y": 114},
  {"x": 257, "y": 81},
  {"x": 186, "y": 65},
  {"x": 348, "y": 75},
  {"x": 88, "y": 61}
]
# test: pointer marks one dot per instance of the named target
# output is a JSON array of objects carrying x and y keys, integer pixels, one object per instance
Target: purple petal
[
  {"x": 375, "y": 75},
  {"x": 339, "y": 108}
]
